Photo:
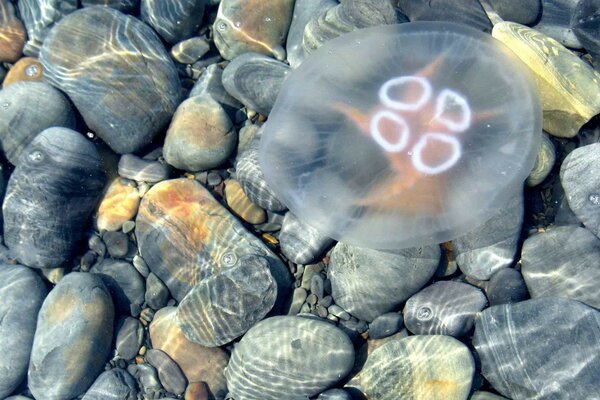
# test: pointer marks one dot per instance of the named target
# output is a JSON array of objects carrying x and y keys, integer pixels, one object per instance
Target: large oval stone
[{"x": 117, "y": 73}]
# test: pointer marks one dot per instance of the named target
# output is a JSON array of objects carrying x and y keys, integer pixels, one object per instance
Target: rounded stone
[
  {"x": 173, "y": 20},
  {"x": 119, "y": 205},
  {"x": 27, "y": 69},
  {"x": 190, "y": 50},
  {"x": 12, "y": 33},
  {"x": 544, "y": 162},
  {"x": 385, "y": 325},
  {"x": 130, "y": 336},
  {"x": 169, "y": 373},
  {"x": 468, "y": 12},
  {"x": 141, "y": 170},
  {"x": 241, "y": 205},
  {"x": 157, "y": 294},
  {"x": 300, "y": 242},
  {"x": 506, "y": 286},
  {"x": 125, "y": 284},
  {"x": 115, "y": 384}
]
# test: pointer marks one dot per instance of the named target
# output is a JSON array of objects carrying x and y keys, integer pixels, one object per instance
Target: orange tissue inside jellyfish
[{"x": 403, "y": 135}]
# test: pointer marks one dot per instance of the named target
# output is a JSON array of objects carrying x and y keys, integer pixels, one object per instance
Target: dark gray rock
[
  {"x": 125, "y": 284},
  {"x": 174, "y": 20},
  {"x": 210, "y": 83},
  {"x": 524, "y": 12},
  {"x": 27, "y": 108},
  {"x": 385, "y": 325},
  {"x": 121, "y": 5},
  {"x": 190, "y": 50},
  {"x": 116, "y": 384},
  {"x": 73, "y": 337},
  {"x": 368, "y": 283},
  {"x": 157, "y": 293},
  {"x": 137, "y": 169},
  {"x": 506, "y": 286},
  {"x": 117, "y": 243},
  {"x": 130, "y": 335},
  {"x": 169, "y": 373},
  {"x": 300, "y": 242},
  {"x": 467, "y": 12},
  {"x": 50, "y": 195},
  {"x": 548, "y": 336},
  {"x": 92, "y": 55},
  {"x": 585, "y": 22},
  {"x": 334, "y": 394},
  {"x": 563, "y": 262},
  {"x": 21, "y": 295},
  {"x": 147, "y": 377},
  {"x": 555, "y": 21}
]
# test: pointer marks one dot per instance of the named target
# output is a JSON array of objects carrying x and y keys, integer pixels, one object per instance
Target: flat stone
[
  {"x": 157, "y": 293},
  {"x": 121, "y": 5},
  {"x": 116, "y": 384},
  {"x": 523, "y": 12},
  {"x": 12, "y": 33},
  {"x": 544, "y": 162},
  {"x": 385, "y": 325},
  {"x": 147, "y": 376},
  {"x": 300, "y": 242},
  {"x": 130, "y": 336},
  {"x": 27, "y": 69},
  {"x": 173, "y": 20},
  {"x": 467, "y": 12},
  {"x": 39, "y": 17},
  {"x": 117, "y": 243},
  {"x": 556, "y": 21},
  {"x": 586, "y": 26},
  {"x": 125, "y": 284},
  {"x": 210, "y": 83},
  {"x": 190, "y": 50},
  {"x": 241, "y": 205},
  {"x": 506, "y": 286},
  {"x": 118, "y": 205},
  {"x": 169, "y": 373},
  {"x": 137, "y": 169}
]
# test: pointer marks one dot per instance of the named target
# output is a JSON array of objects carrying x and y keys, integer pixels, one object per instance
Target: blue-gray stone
[{"x": 116, "y": 384}]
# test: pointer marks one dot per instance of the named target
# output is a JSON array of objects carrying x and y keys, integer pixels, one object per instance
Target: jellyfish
[{"x": 402, "y": 135}]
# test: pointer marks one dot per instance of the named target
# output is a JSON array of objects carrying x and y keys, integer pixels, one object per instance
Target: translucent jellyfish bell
[{"x": 402, "y": 135}]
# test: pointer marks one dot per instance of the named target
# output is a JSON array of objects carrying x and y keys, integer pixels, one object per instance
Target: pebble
[
  {"x": 241, "y": 205},
  {"x": 544, "y": 162},
  {"x": 201, "y": 135},
  {"x": 121, "y": 5},
  {"x": 334, "y": 394},
  {"x": 12, "y": 33},
  {"x": 96, "y": 245},
  {"x": 444, "y": 308},
  {"x": 568, "y": 87},
  {"x": 581, "y": 183},
  {"x": 147, "y": 377},
  {"x": 50, "y": 195},
  {"x": 117, "y": 243},
  {"x": 130, "y": 336},
  {"x": 27, "y": 108},
  {"x": 118, "y": 206},
  {"x": 141, "y": 266},
  {"x": 297, "y": 300},
  {"x": 586, "y": 28},
  {"x": 548, "y": 336},
  {"x": 210, "y": 84},
  {"x": 109, "y": 40},
  {"x": 478, "y": 395},
  {"x": 128, "y": 226},
  {"x": 417, "y": 367},
  {"x": 39, "y": 17},
  {"x": 224, "y": 306},
  {"x": 73, "y": 337},
  {"x": 316, "y": 285},
  {"x": 246, "y": 135},
  {"x": 27, "y": 69},
  {"x": 137, "y": 169},
  {"x": 169, "y": 373},
  {"x": 258, "y": 371},
  {"x": 493, "y": 245},
  {"x": 190, "y": 50},
  {"x": 255, "y": 80},
  {"x": 197, "y": 362},
  {"x": 115, "y": 384},
  {"x": 300, "y": 242},
  {"x": 467, "y": 12},
  {"x": 196, "y": 391},
  {"x": 506, "y": 286},
  {"x": 252, "y": 26},
  {"x": 126, "y": 286},
  {"x": 21, "y": 295},
  {"x": 556, "y": 22},
  {"x": 563, "y": 262},
  {"x": 524, "y": 12},
  {"x": 385, "y": 325},
  {"x": 367, "y": 283},
  {"x": 157, "y": 294},
  {"x": 173, "y": 20}
]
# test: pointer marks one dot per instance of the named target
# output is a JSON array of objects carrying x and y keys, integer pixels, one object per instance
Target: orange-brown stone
[
  {"x": 119, "y": 205},
  {"x": 26, "y": 69},
  {"x": 241, "y": 205},
  {"x": 12, "y": 33}
]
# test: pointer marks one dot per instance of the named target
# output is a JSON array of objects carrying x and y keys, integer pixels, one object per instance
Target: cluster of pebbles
[{"x": 145, "y": 256}]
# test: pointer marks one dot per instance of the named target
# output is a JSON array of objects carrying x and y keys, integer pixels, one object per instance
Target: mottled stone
[
  {"x": 295, "y": 345},
  {"x": 197, "y": 362},
  {"x": 73, "y": 337},
  {"x": 169, "y": 373},
  {"x": 385, "y": 325},
  {"x": 581, "y": 183},
  {"x": 506, "y": 286},
  {"x": 555, "y": 21},
  {"x": 201, "y": 135},
  {"x": 523, "y": 11},
  {"x": 12, "y": 33},
  {"x": 129, "y": 338},
  {"x": 549, "y": 337},
  {"x": 210, "y": 83},
  {"x": 255, "y": 80},
  {"x": 21, "y": 295},
  {"x": 368, "y": 283},
  {"x": 27, "y": 109},
  {"x": 241, "y": 205},
  {"x": 81, "y": 57},
  {"x": 174, "y": 20},
  {"x": 243, "y": 26},
  {"x": 185, "y": 236},
  {"x": 300, "y": 242},
  {"x": 157, "y": 293},
  {"x": 418, "y": 367},
  {"x": 493, "y": 245},
  {"x": 124, "y": 283},
  {"x": 147, "y": 376},
  {"x": 116, "y": 384},
  {"x": 190, "y": 50},
  {"x": 544, "y": 162},
  {"x": 137, "y": 169},
  {"x": 119, "y": 205},
  {"x": 121, "y": 5},
  {"x": 196, "y": 391},
  {"x": 569, "y": 88},
  {"x": 468, "y": 12},
  {"x": 27, "y": 69},
  {"x": 49, "y": 197}
]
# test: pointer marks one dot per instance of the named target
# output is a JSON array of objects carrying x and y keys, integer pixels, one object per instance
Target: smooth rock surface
[
  {"x": 523, "y": 12},
  {"x": 27, "y": 69},
  {"x": 586, "y": 26},
  {"x": 210, "y": 83},
  {"x": 468, "y": 12},
  {"x": 544, "y": 162},
  {"x": 300, "y": 242},
  {"x": 119, "y": 205},
  {"x": 157, "y": 293},
  {"x": 169, "y": 373},
  {"x": 506, "y": 286},
  {"x": 125, "y": 284},
  {"x": 129, "y": 338},
  {"x": 241, "y": 205},
  {"x": 555, "y": 21},
  {"x": 116, "y": 384},
  {"x": 385, "y": 325},
  {"x": 141, "y": 170},
  {"x": 173, "y": 20},
  {"x": 12, "y": 33},
  {"x": 121, "y": 5}
]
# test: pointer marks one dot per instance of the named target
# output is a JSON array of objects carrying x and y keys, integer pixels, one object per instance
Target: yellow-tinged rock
[
  {"x": 12, "y": 33},
  {"x": 119, "y": 205},
  {"x": 569, "y": 88},
  {"x": 241, "y": 205},
  {"x": 26, "y": 69}
]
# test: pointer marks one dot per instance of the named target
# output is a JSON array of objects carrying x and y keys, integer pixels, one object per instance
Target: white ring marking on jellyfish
[
  {"x": 385, "y": 98},
  {"x": 403, "y": 131},
  {"x": 446, "y": 96},
  {"x": 417, "y": 158}
]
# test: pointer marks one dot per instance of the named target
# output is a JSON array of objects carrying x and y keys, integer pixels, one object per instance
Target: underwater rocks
[
  {"x": 210, "y": 84},
  {"x": 586, "y": 26},
  {"x": 125, "y": 284},
  {"x": 556, "y": 21},
  {"x": 523, "y": 12},
  {"x": 241, "y": 205},
  {"x": 506, "y": 286},
  {"x": 368, "y": 283},
  {"x": 50, "y": 195},
  {"x": 173, "y": 20},
  {"x": 27, "y": 69},
  {"x": 468, "y": 12},
  {"x": 549, "y": 337},
  {"x": 273, "y": 357},
  {"x": 119, "y": 205},
  {"x": 141, "y": 170},
  {"x": 21, "y": 295},
  {"x": 12, "y": 33},
  {"x": 544, "y": 162},
  {"x": 242, "y": 26},
  {"x": 116, "y": 384},
  {"x": 169, "y": 373},
  {"x": 81, "y": 57},
  {"x": 300, "y": 242},
  {"x": 73, "y": 337}
]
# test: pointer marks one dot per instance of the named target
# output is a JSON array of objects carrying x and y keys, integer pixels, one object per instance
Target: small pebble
[
  {"x": 129, "y": 339},
  {"x": 385, "y": 325},
  {"x": 117, "y": 243},
  {"x": 114, "y": 384},
  {"x": 157, "y": 294},
  {"x": 241, "y": 205},
  {"x": 190, "y": 50},
  {"x": 506, "y": 286},
  {"x": 27, "y": 69},
  {"x": 126, "y": 286},
  {"x": 119, "y": 205},
  {"x": 169, "y": 373},
  {"x": 137, "y": 169}
]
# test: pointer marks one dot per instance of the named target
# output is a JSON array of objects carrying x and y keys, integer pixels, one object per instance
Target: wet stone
[
  {"x": 197, "y": 391},
  {"x": 190, "y": 50},
  {"x": 26, "y": 109},
  {"x": 385, "y": 325},
  {"x": 556, "y": 21},
  {"x": 12, "y": 33},
  {"x": 169, "y": 373},
  {"x": 523, "y": 12},
  {"x": 137, "y": 169},
  {"x": 157, "y": 294},
  {"x": 368, "y": 283},
  {"x": 121, "y": 5},
  {"x": 246, "y": 134},
  {"x": 563, "y": 262},
  {"x": 444, "y": 308},
  {"x": 241, "y": 205},
  {"x": 27, "y": 69},
  {"x": 506, "y": 286},
  {"x": 73, "y": 337},
  {"x": 147, "y": 377},
  {"x": 210, "y": 83},
  {"x": 296, "y": 345},
  {"x": 78, "y": 57},
  {"x": 549, "y": 336},
  {"x": 21, "y": 295},
  {"x": 117, "y": 243},
  {"x": 255, "y": 80},
  {"x": 544, "y": 162},
  {"x": 118, "y": 206},
  {"x": 334, "y": 394},
  {"x": 300, "y": 242},
  {"x": 116, "y": 384},
  {"x": 141, "y": 266},
  {"x": 126, "y": 286},
  {"x": 585, "y": 23},
  {"x": 478, "y": 395},
  {"x": 467, "y": 12},
  {"x": 201, "y": 135},
  {"x": 581, "y": 182},
  {"x": 129, "y": 338},
  {"x": 50, "y": 195},
  {"x": 245, "y": 26},
  {"x": 297, "y": 300},
  {"x": 492, "y": 246},
  {"x": 173, "y": 20}
]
